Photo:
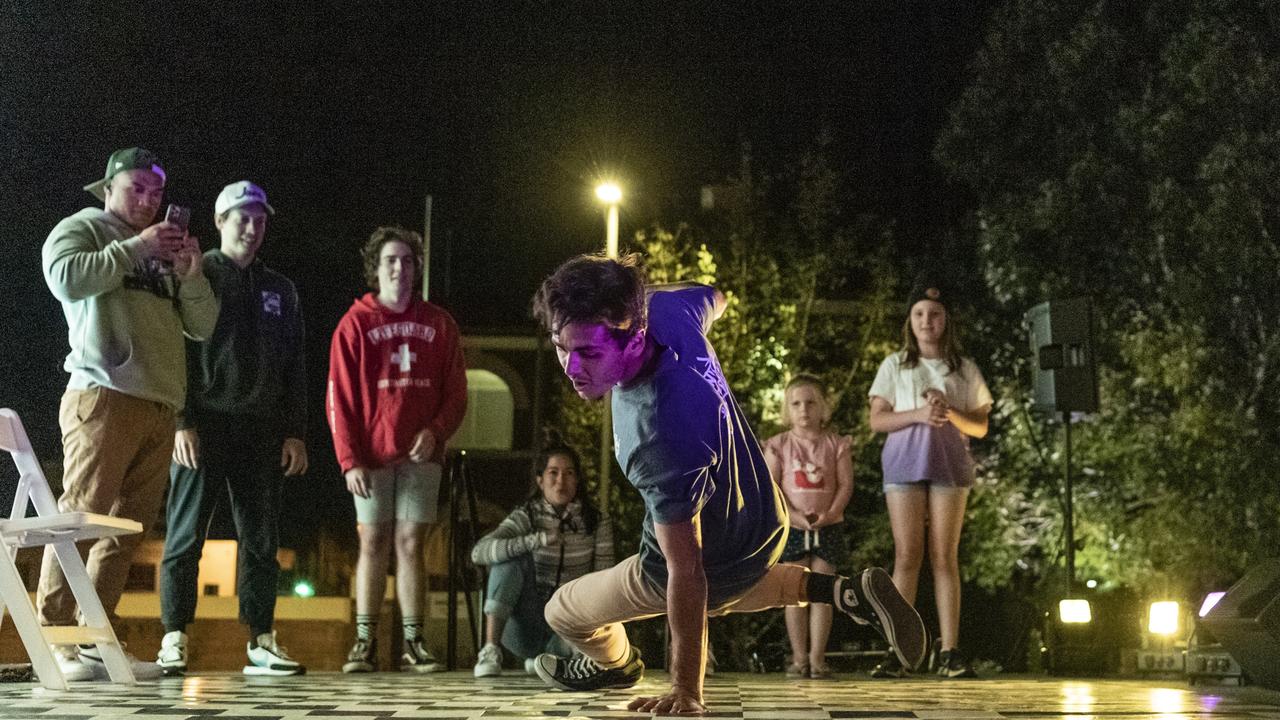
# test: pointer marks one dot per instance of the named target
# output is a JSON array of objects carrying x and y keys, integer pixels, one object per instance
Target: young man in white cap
[
  {"x": 244, "y": 423},
  {"x": 130, "y": 288}
]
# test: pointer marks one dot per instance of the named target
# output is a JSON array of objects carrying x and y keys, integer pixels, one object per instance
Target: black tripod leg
[
  {"x": 451, "y": 600},
  {"x": 474, "y": 617}
]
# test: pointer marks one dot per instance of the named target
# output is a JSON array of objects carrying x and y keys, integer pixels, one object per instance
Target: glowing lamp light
[
  {"x": 609, "y": 193},
  {"x": 1163, "y": 618},
  {"x": 303, "y": 589},
  {"x": 1074, "y": 611},
  {"x": 1210, "y": 601},
  {"x": 1091, "y": 584}
]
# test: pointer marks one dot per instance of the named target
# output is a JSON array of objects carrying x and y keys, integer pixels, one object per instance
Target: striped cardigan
[{"x": 577, "y": 553}]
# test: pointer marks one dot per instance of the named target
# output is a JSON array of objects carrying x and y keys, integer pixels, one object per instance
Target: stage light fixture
[
  {"x": 1163, "y": 618},
  {"x": 1074, "y": 611},
  {"x": 1209, "y": 601}
]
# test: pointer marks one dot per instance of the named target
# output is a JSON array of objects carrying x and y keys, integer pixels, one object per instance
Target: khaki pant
[
  {"x": 116, "y": 450},
  {"x": 589, "y": 612}
]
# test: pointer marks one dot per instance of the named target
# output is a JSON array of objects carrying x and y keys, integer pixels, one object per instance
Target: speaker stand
[{"x": 1069, "y": 511}]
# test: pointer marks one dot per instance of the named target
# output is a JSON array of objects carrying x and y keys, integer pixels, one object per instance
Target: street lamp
[{"x": 610, "y": 194}]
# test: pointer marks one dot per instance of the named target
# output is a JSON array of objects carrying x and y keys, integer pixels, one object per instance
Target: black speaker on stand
[
  {"x": 1064, "y": 380},
  {"x": 1247, "y": 623}
]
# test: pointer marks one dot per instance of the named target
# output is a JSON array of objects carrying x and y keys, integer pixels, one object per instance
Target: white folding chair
[{"x": 61, "y": 531}]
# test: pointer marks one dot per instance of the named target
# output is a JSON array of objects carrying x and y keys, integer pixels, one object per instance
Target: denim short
[{"x": 406, "y": 491}]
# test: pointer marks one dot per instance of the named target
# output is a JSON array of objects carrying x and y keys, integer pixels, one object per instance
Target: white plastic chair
[{"x": 61, "y": 531}]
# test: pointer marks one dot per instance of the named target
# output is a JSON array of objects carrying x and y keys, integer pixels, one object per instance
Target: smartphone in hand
[{"x": 178, "y": 215}]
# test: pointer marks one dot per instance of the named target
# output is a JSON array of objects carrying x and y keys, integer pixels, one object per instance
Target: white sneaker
[
  {"x": 172, "y": 657},
  {"x": 489, "y": 662},
  {"x": 69, "y": 663},
  {"x": 142, "y": 670},
  {"x": 529, "y": 667},
  {"x": 268, "y": 658}
]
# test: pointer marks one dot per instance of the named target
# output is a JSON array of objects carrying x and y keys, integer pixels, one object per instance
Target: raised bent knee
[{"x": 558, "y": 616}]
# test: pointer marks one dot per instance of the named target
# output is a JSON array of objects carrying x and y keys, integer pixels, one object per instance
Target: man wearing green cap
[{"x": 130, "y": 288}]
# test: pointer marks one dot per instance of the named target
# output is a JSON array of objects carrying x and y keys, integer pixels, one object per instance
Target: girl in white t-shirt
[
  {"x": 813, "y": 466},
  {"x": 930, "y": 400}
]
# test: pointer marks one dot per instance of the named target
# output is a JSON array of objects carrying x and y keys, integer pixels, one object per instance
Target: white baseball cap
[{"x": 238, "y": 194}]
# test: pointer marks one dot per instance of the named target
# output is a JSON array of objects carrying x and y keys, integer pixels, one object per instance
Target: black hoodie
[{"x": 254, "y": 364}]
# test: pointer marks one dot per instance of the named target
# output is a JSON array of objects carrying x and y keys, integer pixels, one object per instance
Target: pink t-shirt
[{"x": 808, "y": 468}]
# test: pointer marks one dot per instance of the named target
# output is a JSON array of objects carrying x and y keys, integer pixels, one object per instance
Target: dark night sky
[{"x": 505, "y": 112}]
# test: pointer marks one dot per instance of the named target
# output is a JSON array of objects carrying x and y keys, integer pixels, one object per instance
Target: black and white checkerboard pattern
[{"x": 458, "y": 696}]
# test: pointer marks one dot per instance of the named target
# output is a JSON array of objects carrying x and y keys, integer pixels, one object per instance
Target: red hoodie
[{"x": 391, "y": 375}]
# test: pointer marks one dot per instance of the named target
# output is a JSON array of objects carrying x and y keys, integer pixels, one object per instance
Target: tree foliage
[{"x": 1127, "y": 151}]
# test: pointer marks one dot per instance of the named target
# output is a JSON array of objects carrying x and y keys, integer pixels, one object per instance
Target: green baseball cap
[{"x": 134, "y": 158}]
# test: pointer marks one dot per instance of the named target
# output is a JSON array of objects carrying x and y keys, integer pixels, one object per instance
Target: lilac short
[{"x": 924, "y": 454}]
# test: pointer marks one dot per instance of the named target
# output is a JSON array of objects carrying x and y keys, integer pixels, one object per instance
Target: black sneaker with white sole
[
  {"x": 417, "y": 658},
  {"x": 582, "y": 673},
  {"x": 362, "y": 658},
  {"x": 953, "y": 664},
  {"x": 889, "y": 667},
  {"x": 872, "y": 599}
]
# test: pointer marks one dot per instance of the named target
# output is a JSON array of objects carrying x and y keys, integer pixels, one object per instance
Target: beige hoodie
[{"x": 125, "y": 318}]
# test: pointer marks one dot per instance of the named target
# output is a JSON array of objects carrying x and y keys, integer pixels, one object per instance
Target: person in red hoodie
[{"x": 397, "y": 392}]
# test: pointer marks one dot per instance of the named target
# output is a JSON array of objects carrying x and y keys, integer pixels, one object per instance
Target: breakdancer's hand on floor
[{"x": 677, "y": 702}]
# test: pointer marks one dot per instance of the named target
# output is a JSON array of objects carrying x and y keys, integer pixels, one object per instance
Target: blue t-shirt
[{"x": 683, "y": 442}]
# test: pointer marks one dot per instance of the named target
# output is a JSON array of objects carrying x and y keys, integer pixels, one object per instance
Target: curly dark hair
[
  {"x": 372, "y": 251},
  {"x": 595, "y": 289}
]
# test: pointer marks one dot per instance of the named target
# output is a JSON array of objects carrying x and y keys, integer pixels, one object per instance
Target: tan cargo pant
[
  {"x": 116, "y": 451},
  {"x": 588, "y": 612}
]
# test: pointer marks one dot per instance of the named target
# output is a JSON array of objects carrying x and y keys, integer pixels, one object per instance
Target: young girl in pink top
[{"x": 813, "y": 465}]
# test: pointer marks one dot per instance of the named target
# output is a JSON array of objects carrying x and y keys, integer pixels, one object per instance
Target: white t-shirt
[{"x": 904, "y": 387}]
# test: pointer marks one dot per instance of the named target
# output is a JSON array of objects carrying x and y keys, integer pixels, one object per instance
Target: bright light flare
[
  {"x": 609, "y": 193},
  {"x": 304, "y": 589},
  {"x": 1210, "y": 601},
  {"x": 1074, "y": 611},
  {"x": 1163, "y": 618}
]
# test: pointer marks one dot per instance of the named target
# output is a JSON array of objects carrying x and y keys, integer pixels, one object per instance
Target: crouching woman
[{"x": 555, "y": 536}]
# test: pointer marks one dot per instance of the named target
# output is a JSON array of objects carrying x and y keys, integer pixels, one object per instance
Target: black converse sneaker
[
  {"x": 872, "y": 599},
  {"x": 889, "y": 667},
  {"x": 417, "y": 658},
  {"x": 953, "y": 664},
  {"x": 582, "y": 673},
  {"x": 362, "y": 658}
]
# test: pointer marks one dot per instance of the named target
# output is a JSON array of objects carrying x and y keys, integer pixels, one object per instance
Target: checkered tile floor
[{"x": 457, "y": 695}]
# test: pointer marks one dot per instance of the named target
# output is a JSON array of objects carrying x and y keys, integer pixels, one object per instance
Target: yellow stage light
[
  {"x": 1074, "y": 611},
  {"x": 1163, "y": 618}
]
